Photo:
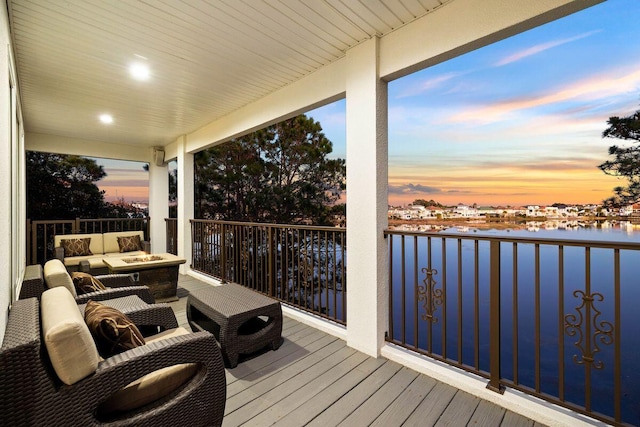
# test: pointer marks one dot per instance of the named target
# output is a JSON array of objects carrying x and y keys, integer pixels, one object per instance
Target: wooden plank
[
  {"x": 244, "y": 390},
  {"x": 381, "y": 399},
  {"x": 406, "y": 402},
  {"x": 292, "y": 343},
  {"x": 283, "y": 386},
  {"x": 317, "y": 349},
  {"x": 511, "y": 419},
  {"x": 309, "y": 391},
  {"x": 342, "y": 408},
  {"x": 305, "y": 413},
  {"x": 273, "y": 360},
  {"x": 487, "y": 414},
  {"x": 432, "y": 406},
  {"x": 459, "y": 411}
]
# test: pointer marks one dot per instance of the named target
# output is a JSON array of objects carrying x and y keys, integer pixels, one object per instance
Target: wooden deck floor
[{"x": 314, "y": 379}]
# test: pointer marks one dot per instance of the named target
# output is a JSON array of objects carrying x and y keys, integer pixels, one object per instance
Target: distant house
[
  {"x": 418, "y": 211},
  {"x": 551, "y": 211},
  {"x": 626, "y": 210},
  {"x": 534, "y": 210},
  {"x": 409, "y": 212},
  {"x": 435, "y": 211},
  {"x": 465, "y": 211}
]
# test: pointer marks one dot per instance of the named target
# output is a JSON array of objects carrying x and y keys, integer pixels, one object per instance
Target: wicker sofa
[
  {"x": 69, "y": 384},
  {"x": 101, "y": 245}
]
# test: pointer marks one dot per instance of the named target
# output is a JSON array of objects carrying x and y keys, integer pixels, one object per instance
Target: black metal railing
[
  {"x": 41, "y": 233},
  {"x": 172, "y": 235},
  {"x": 552, "y": 318},
  {"x": 300, "y": 265}
]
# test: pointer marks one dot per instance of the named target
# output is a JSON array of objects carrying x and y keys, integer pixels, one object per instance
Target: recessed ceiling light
[
  {"x": 139, "y": 71},
  {"x": 107, "y": 119}
]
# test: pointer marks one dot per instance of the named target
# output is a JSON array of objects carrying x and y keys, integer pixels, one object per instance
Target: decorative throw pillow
[
  {"x": 129, "y": 243},
  {"x": 76, "y": 247},
  {"x": 112, "y": 330},
  {"x": 85, "y": 283}
]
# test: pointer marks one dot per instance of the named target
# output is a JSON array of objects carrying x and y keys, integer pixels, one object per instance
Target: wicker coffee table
[{"x": 243, "y": 321}]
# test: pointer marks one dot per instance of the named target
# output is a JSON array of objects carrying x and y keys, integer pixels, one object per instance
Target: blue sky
[{"x": 514, "y": 123}]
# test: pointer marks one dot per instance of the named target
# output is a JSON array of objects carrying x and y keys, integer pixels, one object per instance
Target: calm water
[{"x": 518, "y": 302}]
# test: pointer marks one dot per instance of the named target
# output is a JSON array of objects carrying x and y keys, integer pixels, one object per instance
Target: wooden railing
[
  {"x": 40, "y": 234},
  {"x": 299, "y": 265},
  {"x": 172, "y": 235},
  {"x": 554, "y": 319}
]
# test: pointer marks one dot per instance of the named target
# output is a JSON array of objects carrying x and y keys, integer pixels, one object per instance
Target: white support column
[
  {"x": 185, "y": 203},
  {"x": 158, "y": 206},
  {"x": 367, "y": 164}
]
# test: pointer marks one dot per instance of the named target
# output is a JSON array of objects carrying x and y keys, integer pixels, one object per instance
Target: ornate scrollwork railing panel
[
  {"x": 591, "y": 332},
  {"x": 429, "y": 295}
]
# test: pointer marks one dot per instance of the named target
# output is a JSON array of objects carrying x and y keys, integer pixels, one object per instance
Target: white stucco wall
[
  {"x": 367, "y": 176},
  {"x": 12, "y": 198},
  {"x": 159, "y": 205},
  {"x": 5, "y": 174},
  {"x": 185, "y": 203},
  {"x": 82, "y": 147}
]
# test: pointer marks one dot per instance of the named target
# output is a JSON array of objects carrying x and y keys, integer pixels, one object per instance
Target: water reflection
[
  {"x": 609, "y": 230},
  {"x": 541, "y": 284}
]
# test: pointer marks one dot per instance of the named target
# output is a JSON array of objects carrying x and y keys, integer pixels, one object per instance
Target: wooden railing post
[
  {"x": 223, "y": 253},
  {"x": 34, "y": 243},
  {"x": 271, "y": 260},
  {"x": 494, "y": 319}
]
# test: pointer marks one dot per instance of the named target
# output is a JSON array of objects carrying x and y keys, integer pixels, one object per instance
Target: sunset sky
[
  {"x": 515, "y": 123},
  {"x": 124, "y": 179}
]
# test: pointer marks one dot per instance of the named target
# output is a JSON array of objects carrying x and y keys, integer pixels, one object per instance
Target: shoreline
[{"x": 497, "y": 224}]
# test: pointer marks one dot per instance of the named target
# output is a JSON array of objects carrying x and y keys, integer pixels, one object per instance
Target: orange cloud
[{"x": 599, "y": 87}]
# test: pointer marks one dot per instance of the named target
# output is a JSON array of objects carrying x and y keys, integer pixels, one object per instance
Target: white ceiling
[{"x": 207, "y": 58}]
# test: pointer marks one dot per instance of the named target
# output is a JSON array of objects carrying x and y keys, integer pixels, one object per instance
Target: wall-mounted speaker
[{"x": 158, "y": 156}]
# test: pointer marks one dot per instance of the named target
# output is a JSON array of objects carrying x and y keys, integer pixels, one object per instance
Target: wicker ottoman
[{"x": 242, "y": 320}]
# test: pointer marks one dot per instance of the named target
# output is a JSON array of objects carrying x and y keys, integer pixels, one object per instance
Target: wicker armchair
[
  {"x": 32, "y": 394},
  {"x": 118, "y": 285}
]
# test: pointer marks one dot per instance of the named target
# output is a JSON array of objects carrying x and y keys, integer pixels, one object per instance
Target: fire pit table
[
  {"x": 243, "y": 321},
  {"x": 157, "y": 271}
]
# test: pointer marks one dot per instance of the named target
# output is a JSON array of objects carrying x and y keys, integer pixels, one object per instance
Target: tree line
[
  {"x": 279, "y": 174},
  {"x": 63, "y": 186}
]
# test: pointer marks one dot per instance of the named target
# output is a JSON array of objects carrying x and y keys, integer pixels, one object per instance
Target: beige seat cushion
[
  {"x": 152, "y": 386},
  {"x": 69, "y": 343},
  {"x": 55, "y": 274},
  {"x": 94, "y": 260}
]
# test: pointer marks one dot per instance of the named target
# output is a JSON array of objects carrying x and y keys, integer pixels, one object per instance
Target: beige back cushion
[
  {"x": 95, "y": 245},
  {"x": 55, "y": 274},
  {"x": 111, "y": 239},
  {"x": 69, "y": 343}
]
